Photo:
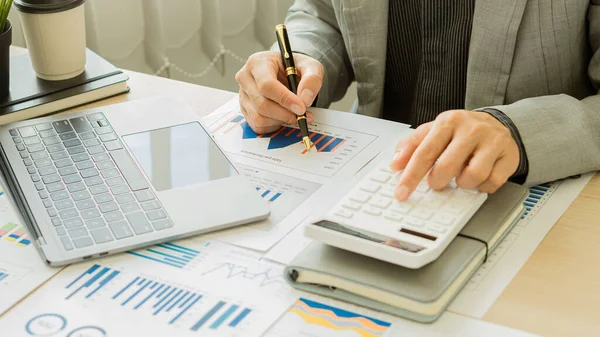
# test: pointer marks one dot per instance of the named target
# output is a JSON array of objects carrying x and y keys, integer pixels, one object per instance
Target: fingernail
[
  {"x": 296, "y": 109},
  {"x": 402, "y": 193},
  {"x": 396, "y": 157},
  {"x": 307, "y": 96}
]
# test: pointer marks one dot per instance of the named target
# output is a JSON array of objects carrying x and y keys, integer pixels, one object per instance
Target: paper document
[
  {"x": 317, "y": 316},
  {"x": 188, "y": 288},
  {"x": 21, "y": 266},
  {"x": 544, "y": 206},
  {"x": 292, "y": 180}
]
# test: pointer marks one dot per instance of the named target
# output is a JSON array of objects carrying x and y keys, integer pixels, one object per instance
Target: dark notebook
[{"x": 32, "y": 97}]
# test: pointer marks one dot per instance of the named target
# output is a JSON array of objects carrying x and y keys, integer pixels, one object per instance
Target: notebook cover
[
  {"x": 27, "y": 90},
  {"x": 423, "y": 285}
]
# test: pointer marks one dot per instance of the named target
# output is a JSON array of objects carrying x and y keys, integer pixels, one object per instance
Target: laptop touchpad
[{"x": 179, "y": 156}]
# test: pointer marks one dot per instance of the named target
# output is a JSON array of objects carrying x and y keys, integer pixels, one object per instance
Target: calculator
[{"x": 370, "y": 221}]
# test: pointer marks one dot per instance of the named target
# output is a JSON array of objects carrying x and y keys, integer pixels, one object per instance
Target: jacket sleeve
[
  {"x": 313, "y": 30},
  {"x": 560, "y": 133}
]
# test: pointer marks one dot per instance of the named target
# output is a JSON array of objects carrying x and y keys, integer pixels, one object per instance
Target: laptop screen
[{"x": 179, "y": 156}]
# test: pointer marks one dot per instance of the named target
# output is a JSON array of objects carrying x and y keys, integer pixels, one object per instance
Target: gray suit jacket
[{"x": 538, "y": 61}]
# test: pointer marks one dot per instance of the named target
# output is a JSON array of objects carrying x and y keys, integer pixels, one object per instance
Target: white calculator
[{"x": 372, "y": 222}]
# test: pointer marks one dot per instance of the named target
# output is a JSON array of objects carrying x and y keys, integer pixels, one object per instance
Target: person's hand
[
  {"x": 265, "y": 99},
  {"x": 473, "y": 147}
]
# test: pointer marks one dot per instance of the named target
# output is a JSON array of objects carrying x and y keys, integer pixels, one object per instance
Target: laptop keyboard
[{"x": 92, "y": 190}]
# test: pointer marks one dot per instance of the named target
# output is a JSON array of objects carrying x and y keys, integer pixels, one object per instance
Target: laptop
[{"x": 121, "y": 177}]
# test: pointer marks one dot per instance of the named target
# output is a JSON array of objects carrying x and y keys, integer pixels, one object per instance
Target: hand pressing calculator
[{"x": 372, "y": 222}]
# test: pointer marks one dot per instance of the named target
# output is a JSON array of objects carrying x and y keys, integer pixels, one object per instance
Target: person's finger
[
  {"x": 407, "y": 146},
  {"x": 259, "y": 123},
  {"x": 263, "y": 105},
  {"x": 451, "y": 162},
  {"x": 479, "y": 168},
  {"x": 311, "y": 74},
  {"x": 310, "y": 117},
  {"x": 265, "y": 77},
  {"x": 423, "y": 159},
  {"x": 499, "y": 175}
]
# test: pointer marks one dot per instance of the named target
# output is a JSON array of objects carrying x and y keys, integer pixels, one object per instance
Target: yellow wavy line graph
[
  {"x": 325, "y": 323},
  {"x": 361, "y": 320}
]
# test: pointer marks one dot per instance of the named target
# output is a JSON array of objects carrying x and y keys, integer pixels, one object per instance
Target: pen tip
[{"x": 307, "y": 143}]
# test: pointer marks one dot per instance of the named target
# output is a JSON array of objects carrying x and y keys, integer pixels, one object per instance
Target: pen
[{"x": 292, "y": 77}]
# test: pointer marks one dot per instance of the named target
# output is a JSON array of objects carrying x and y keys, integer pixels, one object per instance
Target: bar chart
[
  {"x": 157, "y": 298},
  {"x": 90, "y": 282},
  {"x": 171, "y": 254},
  {"x": 268, "y": 195},
  {"x": 283, "y": 193},
  {"x": 538, "y": 195},
  {"x": 16, "y": 234},
  {"x": 222, "y": 316},
  {"x": 332, "y": 147}
]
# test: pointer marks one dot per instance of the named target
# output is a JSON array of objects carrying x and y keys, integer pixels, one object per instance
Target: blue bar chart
[
  {"x": 91, "y": 281},
  {"x": 268, "y": 194},
  {"x": 282, "y": 138},
  {"x": 538, "y": 195},
  {"x": 332, "y": 146},
  {"x": 156, "y": 298},
  {"x": 222, "y": 316},
  {"x": 168, "y": 253}
]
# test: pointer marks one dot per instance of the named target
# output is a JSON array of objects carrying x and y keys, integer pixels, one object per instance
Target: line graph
[{"x": 263, "y": 278}]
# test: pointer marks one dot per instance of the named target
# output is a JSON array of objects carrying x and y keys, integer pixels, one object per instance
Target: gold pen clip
[{"x": 279, "y": 29}]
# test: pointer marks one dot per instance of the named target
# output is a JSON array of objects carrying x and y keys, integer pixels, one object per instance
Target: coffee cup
[{"x": 54, "y": 31}]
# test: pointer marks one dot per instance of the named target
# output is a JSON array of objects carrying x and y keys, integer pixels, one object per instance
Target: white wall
[{"x": 139, "y": 34}]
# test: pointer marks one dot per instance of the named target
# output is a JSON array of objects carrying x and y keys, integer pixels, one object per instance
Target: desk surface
[{"x": 556, "y": 293}]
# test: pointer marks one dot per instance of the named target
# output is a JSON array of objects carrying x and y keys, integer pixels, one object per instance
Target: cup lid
[{"x": 46, "y": 6}]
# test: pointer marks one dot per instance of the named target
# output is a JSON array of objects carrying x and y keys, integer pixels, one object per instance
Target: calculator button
[
  {"x": 381, "y": 202},
  {"x": 380, "y": 177},
  {"x": 414, "y": 222},
  {"x": 437, "y": 229},
  {"x": 422, "y": 213},
  {"x": 388, "y": 192},
  {"x": 360, "y": 197},
  {"x": 370, "y": 187},
  {"x": 386, "y": 169},
  {"x": 351, "y": 205},
  {"x": 401, "y": 208},
  {"x": 454, "y": 207},
  {"x": 372, "y": 210},
  {"x": 432, "y": 203},
  {"x": 393, "y": 216},
  {"x": 443, "y": 219},
  {"x": 422, "y": 187},
  {"x": 344, "y": 213}
]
